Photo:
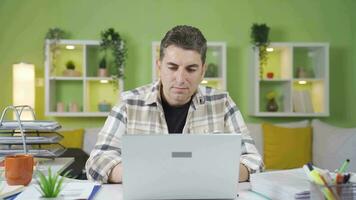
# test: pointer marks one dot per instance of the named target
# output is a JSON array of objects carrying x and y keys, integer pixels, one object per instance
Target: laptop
[{"x": 181, "y": 166}]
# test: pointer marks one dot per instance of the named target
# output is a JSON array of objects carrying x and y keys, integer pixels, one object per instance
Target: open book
[
  {"x": 283, "y": 184},
  {"x": 9, "y": 190}
]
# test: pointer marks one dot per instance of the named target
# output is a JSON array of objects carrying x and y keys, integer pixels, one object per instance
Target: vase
[
  {"x": 272, "y": 105},
  {"x": 102, "y": 72}
]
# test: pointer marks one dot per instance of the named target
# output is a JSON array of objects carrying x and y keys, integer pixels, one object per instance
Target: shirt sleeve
[
  {"x": 235, "y": 123},
  {"x": 107, "y": 151}
]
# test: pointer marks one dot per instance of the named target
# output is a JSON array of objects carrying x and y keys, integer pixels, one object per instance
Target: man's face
[{"x": 180, "y": 72}]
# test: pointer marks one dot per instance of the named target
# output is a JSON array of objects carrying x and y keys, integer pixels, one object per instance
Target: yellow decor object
[
  {"x": 286, "y": 148},
  {"x": 72, "y": 138}
]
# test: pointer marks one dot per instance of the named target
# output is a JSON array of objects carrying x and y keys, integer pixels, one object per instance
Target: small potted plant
[
  {"x": 271, "y": 105},
  {"x": 70, "y": 69},
  {"x": 50, "y": 186},
  {"x": 102, "y": 71}
]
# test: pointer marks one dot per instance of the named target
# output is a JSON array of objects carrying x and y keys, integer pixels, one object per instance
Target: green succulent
[
  {"x": 51, "y": 185},
  {"x": 70, "y": 65}
]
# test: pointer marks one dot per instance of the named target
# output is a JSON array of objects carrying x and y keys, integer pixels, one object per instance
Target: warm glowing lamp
[{"x": 23, "y": 87}]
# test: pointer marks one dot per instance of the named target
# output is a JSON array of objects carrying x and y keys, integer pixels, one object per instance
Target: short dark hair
[{"x": 185, "y": 37}]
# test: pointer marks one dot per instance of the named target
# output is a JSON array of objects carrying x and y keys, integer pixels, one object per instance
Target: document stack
[
  {"x": 35, "y": 137},
  {"x": 281, "y": 185}
]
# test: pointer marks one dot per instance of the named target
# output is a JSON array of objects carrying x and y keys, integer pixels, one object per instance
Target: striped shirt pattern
[{"x": 140, "y": 111}]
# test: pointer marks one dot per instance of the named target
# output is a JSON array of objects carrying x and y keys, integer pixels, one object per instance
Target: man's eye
[
  {"x": 173, "y": 68},
  {"x": 191, "y": 69}
]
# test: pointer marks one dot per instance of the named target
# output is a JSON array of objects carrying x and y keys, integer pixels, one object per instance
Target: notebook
[
  {"x": 181, "y": 166},
  {"x": 281, "y": 184}
]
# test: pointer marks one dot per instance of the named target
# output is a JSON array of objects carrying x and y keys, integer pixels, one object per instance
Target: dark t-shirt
[{"x": 175, "y": 116}]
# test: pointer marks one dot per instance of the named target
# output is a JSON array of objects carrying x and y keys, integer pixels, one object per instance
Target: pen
[{"x": 344, "y": 166}]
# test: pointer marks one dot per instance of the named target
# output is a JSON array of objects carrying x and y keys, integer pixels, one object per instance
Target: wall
[{"x": 23, "y": 25}]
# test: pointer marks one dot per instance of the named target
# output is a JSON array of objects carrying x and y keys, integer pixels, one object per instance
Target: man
[{"x": 174, "y": 104}]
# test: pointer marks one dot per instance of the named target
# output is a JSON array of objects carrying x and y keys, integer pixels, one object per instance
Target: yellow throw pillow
[
  {"x": 286, "y": 148},
  {"x": 72, "y": 138}
]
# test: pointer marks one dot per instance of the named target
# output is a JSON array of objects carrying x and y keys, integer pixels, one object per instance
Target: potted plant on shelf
[
  {"x": 70, "y": 69},
  {"x": 102, "y": 71},
  {"x": 271, "y": 105},
  {"x": 54, "y": 35},
  {"x": 259, "y": 37},
  {"x": 112, "y": 41}
]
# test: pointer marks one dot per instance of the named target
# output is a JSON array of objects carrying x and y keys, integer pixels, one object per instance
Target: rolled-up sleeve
[
  {"x": 235, "y": 123},
  {"x": 107, "y": 151}
]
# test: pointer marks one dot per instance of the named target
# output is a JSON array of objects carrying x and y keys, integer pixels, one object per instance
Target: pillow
[
  {"x": 256, "y": 131},
  {"x": 90, "y": 138},
  {"x": 72, "y": 138},
  {"x": 333, "y": 145},
  {"x": 286, "y": 148}
]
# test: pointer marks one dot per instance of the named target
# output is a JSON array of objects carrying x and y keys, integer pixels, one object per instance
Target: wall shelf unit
[
  {"x": 297, "y": 74},
  {"x": 215, "y": 75},
  {"x": 77, "y": 94}
]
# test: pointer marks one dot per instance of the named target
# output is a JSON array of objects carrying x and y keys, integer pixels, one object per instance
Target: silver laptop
[{"x": 181, "y": 166}]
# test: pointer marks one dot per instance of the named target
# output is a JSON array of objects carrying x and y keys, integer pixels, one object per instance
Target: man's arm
[
  {"x": 244, "y": 173},
  {"x": 250, "y": 159},
  {"x": 106, "y": 154},
  {"x": 116, "y": 174}
]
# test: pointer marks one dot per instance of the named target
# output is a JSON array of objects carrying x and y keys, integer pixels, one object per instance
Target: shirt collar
[{"x": 154, "y": 97}]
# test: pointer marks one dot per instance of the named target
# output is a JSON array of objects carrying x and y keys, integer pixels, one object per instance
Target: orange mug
[{"x": 19, "y": 169}]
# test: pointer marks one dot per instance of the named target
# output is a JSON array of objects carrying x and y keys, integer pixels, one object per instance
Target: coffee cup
[{"x": 19, "y": 169}]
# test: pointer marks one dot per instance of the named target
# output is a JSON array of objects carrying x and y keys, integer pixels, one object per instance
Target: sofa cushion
[
  {"x": 256, "y": 131},
  {"x": 90, "y": 137},
  {"x": 72, "y": 138},
  {"x": 333, "y": 145},
  {"x": 286, "y": 148}
]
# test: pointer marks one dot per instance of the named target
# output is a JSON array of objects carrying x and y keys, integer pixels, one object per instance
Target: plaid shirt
[{"x": 141, "y": 111}]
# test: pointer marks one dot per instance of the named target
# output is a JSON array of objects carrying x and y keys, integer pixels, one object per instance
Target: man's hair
[{"x": 185, "y": 37}]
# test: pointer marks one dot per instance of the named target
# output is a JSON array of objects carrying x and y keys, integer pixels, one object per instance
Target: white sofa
[{"x": 331, "y": 144}]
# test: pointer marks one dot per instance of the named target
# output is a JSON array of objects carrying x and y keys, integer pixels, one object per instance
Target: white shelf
[
  {"x": 300, "y": 80},
  {"x": 86, "y": 91},
  {"x": 216, "y": 54}
]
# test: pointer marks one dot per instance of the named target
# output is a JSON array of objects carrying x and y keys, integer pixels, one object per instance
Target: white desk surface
[
  {"x": 108, "y": 191},
  {"x": 57, "y": 164}
]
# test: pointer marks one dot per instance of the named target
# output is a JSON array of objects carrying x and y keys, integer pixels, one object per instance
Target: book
[
  {"x": 70, "y": 191},
  {"x": 281, "y": 184},
  {"x": 302, "y": 101},
  {"x": 9, "y": 190}
]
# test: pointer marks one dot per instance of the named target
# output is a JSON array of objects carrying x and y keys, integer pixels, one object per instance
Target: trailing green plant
[
  {"x": 70, "y": 65},
  {"x": 55, "y": 35},
  {"x": 102, "y": 64},
  {"x": 259, "y": 37},
  {"x": 51, "y": 185},
  {"x": 112, "y": 41}
]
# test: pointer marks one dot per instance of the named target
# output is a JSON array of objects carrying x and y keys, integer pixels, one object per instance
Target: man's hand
[
  {"x": 116, "y": 174},
  {"x": 244, "y": 173}
]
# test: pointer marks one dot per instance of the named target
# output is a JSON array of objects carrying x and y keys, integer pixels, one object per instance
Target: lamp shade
[{"x": 23, "y": 87}]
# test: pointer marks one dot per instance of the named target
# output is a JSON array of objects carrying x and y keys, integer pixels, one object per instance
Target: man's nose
[{"x": 180, "y": 76}]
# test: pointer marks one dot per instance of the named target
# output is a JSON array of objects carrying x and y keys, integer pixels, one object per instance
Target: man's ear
[
  {"x": 158, "y": 68},
  {"x": 203, "y": 71}
]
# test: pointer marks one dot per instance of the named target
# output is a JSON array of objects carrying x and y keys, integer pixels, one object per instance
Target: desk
[
  {"x": 108, "y": 191},
  {"x": 57, "y": 164}
]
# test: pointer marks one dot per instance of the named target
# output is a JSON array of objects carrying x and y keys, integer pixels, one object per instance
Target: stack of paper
[
  {"x": 9, "y": 190},
  {"x": 284, "y": 184},
  {"x": 71, "y": 190}
]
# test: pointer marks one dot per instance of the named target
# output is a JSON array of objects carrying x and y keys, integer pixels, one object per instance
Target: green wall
[{"x": 23, "y": 25}]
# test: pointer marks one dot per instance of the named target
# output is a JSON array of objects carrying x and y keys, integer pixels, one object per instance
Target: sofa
[{"x": 330, "y": 145}]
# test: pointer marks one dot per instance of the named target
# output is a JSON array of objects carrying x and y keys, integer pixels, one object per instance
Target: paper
[
  {"x": 8, "y": 190},
  {"x": 283, "y": 184},
  {"x": 71, "y": 190}
]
